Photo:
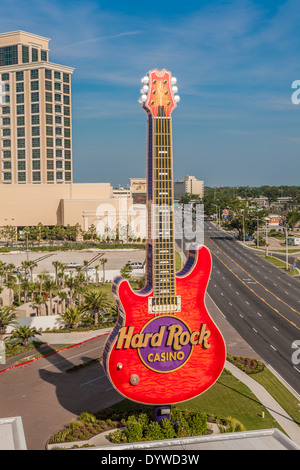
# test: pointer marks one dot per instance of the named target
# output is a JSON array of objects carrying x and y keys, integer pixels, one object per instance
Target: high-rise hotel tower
[{"x": 35, "y": 112}]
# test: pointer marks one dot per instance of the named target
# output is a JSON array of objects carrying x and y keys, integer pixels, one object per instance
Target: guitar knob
[
  {"x": 119, "y": 366},
  {"x": 134, "y": 379}
]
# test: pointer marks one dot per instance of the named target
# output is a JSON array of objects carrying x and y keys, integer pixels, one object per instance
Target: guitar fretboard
[{"x": 160, "y": 210}]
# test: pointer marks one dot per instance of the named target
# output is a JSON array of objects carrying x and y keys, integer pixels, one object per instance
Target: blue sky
[{"x": 235, "y": 61}]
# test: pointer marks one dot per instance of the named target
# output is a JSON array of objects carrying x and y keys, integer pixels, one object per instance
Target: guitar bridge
[{"x": 170, "y": 304}]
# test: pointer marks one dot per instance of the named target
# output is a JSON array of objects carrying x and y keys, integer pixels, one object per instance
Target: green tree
[
  {"x": 7, "y": 318},
  {"x": 23, "y": 334},
  {"x": 72, "y": 316},
  {"x": 95, "y": 302}
]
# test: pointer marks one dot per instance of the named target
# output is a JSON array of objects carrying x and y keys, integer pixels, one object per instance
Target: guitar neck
[{"x": 161, "y": 244}]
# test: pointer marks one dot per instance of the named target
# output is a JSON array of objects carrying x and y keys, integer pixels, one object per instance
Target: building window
[
  {"x": 36, "y": 153},
  {"x": 20, "y": 87},
  {"x": 20, "y": 98},
  {"x": 66, "y": 99},
  {"x": 57, "y": 97},
  {"x": 57, "y": 119},
  {"x": 49, "y": 142},
  {"x": 49, "y": 119},
  {"x": 6, "y": 132},
  {"x": 35, "y": 119},
  {"x": 35, "y": 130},
  {"x": 44, "y": 56},
  {"x": 50, "y": 176},
  {"x": 22, "y": 176},
  {"x": 49, "y": 153},
  {"x": 34, "y": 55},
  {"x": 6, "y": 154},
  {"x": 6, "y": 143},
  {"x": 5, "y": 99},
  {"x": 67, "y": 111},
  {"x": 68, "y": 154},
  {"x": 35, "y": 142},
  {"x": 5, "y": 77},
  {"x": 7, "y": 176},
  {"x": 50, "y": 164},
  {"x": 21, "y": 165},
  {"x": 68, "y": 165},
  {"x": 36, "y": 165},
  {"x": 48, "y": 85},
  {"x": 35, "y": 108},
  {"x": 57, "y": 86},
  {"x": 59, "y": 153},
  {"x": 58, "y": 131},
  {"x": 57, "y": 108},
  {"x": 36, "y": 176},
  {"x": 59, "y": 164},
  {"x": 6, "y": 110},
  {"x": 48, "y": 74},
  {"x": 20, "y": 131},
  {"x": 25, "y": 54},
  {"x": 21, "y": 121},
  {"x": 19, "y": 76},
  {"x": 57, "y": 75},
  {"x": 35, "y": 96},
  {"x": 34, "y": 74},
  {"x": 66, "y": 78},
  {"x": 49, "y": 130},
  {"x": 48, "y": 96},
  {"x": 49, "y": 108},
  {"x": 21, "y": 154},
  {"x": 67, "y": 132},
  {"x": 34, "y": 85},
  {"x": 66, "y": 89},
  {"x": 59, "y": 175},
  {"x": 68, "y": 176},
  {"x": 8, "y": 55},
  {"x": 21, "y": 143},
  {"x": 20, "y": 109},
  {"x": 6, "y": 121},
  {"x": 7, "y": 165},
  {"x": 58, "y": 142},
  {"x": 67, "y": 143}
]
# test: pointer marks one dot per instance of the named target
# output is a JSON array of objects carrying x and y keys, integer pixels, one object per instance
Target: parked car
[
  {"x": 72, "y": 264},
  {"x": 136, "y": 265}
]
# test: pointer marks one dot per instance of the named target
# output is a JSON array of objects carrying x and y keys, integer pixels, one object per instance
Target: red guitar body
[{"x": 204, "y": 364}]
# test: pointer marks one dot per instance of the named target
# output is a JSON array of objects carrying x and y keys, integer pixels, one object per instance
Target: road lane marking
[
  {"x": 273, "y": 308},
  {"x": 248, "y": 274}
]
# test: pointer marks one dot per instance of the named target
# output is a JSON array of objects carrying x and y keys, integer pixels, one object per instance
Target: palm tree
[
  {"x": 20, "y": 279},
  {"x": 26, "y": 287},
  {"x": 24, "y": 333},
  {"x": 42, "y": 278},
  {"x": 49, "y": 286},
  {"x": 7, "y": 318},
  {"x": 62, "y": 295},
  {"x": 71, "y": 283},
  {"x": 72, "y": 316},
  {"x": 103, "y": 261},
  {"x": 56, "y": 265},
  {"x": 39, "y": 300},
  {"x": 94, "y": 302},
  {"x": 96, "y": 271},
  {"x": 86, "y": 265}
]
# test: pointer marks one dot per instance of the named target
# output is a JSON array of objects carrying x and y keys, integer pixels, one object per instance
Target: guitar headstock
[{"x": 158, "y": 93}]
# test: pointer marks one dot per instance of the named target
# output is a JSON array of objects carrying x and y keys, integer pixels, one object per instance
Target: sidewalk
[{"x": 279, "y": 414}]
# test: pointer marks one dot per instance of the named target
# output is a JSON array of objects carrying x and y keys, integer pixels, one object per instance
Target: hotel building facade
[{"x": 35, "y": 112}]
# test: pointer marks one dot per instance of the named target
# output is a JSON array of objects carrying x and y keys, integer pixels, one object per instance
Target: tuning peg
[
  {"x": 145, "y": 80},
  {"x": 145, "y": 89},
  {"x": 173, "y": 80},
  {"x": 174, "y": 89},
  {"x": 177, "y": 98},
  {"x": 143, "y": 98}
]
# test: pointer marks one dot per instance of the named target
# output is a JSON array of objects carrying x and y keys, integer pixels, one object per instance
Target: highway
[{"x": 259, "y": 300}]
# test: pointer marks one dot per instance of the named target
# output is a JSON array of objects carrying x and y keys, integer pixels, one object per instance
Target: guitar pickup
[{"x": 170, "y": 304}]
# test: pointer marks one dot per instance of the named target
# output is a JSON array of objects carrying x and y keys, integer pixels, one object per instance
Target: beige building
[
  {"x": 189, "y": 185},
  {"x": 35, "y": 113}
]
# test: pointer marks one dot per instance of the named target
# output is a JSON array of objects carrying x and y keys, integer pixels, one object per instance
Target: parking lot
[{"x": 116, "y": 259}]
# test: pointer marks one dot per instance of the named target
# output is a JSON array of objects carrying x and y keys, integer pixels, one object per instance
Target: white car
[{"x": 73, "y": 265}]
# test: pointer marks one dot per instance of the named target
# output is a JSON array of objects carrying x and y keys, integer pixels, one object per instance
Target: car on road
[
  {"x": 72, "y": 264},
  {"x": 136, "y": 265}
]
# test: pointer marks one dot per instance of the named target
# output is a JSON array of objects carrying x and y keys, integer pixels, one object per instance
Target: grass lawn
[
  {"x": 280, "y": 264},
  {"x": 227, "y": 397}
]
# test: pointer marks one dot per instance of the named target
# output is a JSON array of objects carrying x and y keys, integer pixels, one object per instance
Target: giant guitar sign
[{"x": 165, "y": 348}]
